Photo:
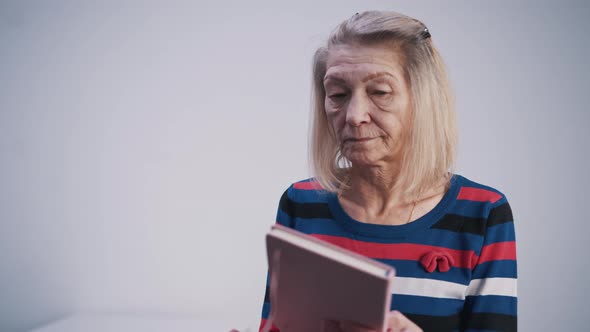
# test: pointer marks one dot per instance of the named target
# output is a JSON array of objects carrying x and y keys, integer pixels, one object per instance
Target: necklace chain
[{"x": 411, "y": 212}]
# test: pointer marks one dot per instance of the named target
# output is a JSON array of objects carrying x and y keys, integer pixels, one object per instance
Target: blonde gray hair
[{"x": 429, "y": 155}]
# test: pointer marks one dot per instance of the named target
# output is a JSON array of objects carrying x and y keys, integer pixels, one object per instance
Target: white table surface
[{"x": 137, "y": 323}]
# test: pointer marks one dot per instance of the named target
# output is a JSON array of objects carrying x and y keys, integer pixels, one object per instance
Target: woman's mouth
[{"x": 360, "y": 139}]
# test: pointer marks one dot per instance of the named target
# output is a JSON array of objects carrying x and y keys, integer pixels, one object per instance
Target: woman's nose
[{"x": 357, "y": 111}]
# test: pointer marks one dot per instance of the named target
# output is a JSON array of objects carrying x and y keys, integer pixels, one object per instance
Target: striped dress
[{"x": 455, "y": 266}]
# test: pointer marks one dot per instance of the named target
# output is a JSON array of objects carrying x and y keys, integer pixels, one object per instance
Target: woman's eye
[
  {"x": 337, "y": 95},
  {"x": 381, "y": 93}
]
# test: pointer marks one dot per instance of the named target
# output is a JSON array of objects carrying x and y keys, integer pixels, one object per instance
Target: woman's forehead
[{"x": 362, "y": 63}]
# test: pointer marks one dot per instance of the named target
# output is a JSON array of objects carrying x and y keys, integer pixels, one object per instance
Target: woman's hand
[{"x": 396, "y": 322}]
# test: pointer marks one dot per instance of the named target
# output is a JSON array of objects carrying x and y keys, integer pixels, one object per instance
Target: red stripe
[
  {"x": 309, "y": 185},
  {"x": 273, "y": 328},
  {"x": 498, "y": 251},
  {"x": 401, "y": 251},
  {"x": 478, "y": 194}
]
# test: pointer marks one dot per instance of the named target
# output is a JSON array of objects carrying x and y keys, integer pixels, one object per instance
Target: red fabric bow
[{"x": 434, "y": 259}]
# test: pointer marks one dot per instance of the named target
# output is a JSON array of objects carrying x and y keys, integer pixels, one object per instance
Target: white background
[{"x": 144, "y": 147}]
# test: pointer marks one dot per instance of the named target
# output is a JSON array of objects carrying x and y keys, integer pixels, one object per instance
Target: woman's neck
[
  {"x": 373, "y": 194},
  {"x": 375, "y": 188}
]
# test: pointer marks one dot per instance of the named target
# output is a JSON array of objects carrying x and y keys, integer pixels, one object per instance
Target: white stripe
[
  {"x": 492, "y": 286},
  {"x": 429, "y": 288}
]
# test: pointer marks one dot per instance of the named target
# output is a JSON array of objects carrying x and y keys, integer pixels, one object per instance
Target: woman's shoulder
[
  {"x": 484, "y": 201},
  {"x": 487, "y": 204},
  {"x": 476, "y": 191},
  {"x": 307, "y": 184},
  {"x": 304, "y": 199},
  {"x": 306, "y": 191}
]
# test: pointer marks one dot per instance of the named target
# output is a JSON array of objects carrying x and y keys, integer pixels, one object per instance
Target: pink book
[{"x": 312, "y": 280}]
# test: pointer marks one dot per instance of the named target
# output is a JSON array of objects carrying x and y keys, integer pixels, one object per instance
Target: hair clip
[{"x": 426, "y": 33}]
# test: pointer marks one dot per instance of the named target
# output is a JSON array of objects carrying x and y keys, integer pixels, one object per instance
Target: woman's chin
[{"x": 360, "y": 160}]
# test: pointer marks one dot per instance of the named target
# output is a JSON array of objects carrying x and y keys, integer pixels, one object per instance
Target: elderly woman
[{"x": 382, "y": 148}]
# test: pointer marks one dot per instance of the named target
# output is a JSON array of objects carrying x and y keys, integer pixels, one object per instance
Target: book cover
[{"x": 312, "y": 280}]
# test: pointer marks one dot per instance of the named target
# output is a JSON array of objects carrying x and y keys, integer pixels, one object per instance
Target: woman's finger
[{"x": 397, "y": 322}]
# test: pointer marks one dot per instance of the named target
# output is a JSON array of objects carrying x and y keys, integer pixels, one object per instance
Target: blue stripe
[
  {"x": 283, "y": 218},
  {"x": 422, "y": 305},
  {"x": 265, "y": 310},
  {"x": 434, "y": 237},
  {"x": 496, "y": 269},
  {"x": 500, "y": 201},
  {"x": 500, "y": 233},
  {"x": 469, "y": 209},
  {"x": 492, "y": 303},
  {"x": 451, "y": 240},
  {"x": 322, "y": 227}
]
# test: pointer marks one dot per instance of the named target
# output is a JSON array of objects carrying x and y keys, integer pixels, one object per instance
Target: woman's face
[{"x": 367, "y": 103}]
